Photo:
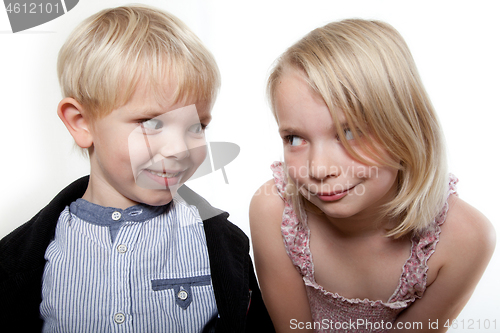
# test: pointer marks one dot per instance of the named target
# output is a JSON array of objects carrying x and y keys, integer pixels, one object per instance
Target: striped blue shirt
[{"x": 142, "y": 269}]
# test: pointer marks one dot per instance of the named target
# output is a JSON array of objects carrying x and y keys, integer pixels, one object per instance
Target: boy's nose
[{"x": 175, "y": 148}]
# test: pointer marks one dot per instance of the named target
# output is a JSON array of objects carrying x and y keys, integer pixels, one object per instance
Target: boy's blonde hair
[
  {"x": 365, "y": 70},
  {"x": 107, "y": 55}
]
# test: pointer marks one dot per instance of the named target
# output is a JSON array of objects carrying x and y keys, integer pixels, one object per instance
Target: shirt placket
[{"x": 120, "y": 274}]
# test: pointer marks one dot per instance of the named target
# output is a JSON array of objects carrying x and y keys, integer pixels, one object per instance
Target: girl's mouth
[{"x": 334, "y": 196}]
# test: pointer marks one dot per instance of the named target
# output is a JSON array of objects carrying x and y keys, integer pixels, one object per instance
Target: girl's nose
[{"x": 323, "y": 163}]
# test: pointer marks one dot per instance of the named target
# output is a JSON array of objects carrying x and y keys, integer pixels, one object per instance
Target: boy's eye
[
  {"x": 294, "y": 140},
  {"x": 152, "y": 124},
  {"x": 197, "y": 128}
]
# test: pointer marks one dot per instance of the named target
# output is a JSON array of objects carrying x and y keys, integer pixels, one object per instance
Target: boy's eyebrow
[
  {"x": 150, "y": 113},
  {"x": 205, "y": 118},
  {"x": 153, "y": 113}
]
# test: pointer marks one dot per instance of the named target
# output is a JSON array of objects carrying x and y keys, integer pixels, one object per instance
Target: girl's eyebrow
[
  {"x": 289, "y": 129},
  {"x": 294, "y": 129}
]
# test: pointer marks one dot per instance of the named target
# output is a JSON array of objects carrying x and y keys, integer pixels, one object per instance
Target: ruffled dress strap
[
  {"x": 295, "y": 236},
  {"x": 279, "y": 178},
  {"x": 413, "y": 281}
]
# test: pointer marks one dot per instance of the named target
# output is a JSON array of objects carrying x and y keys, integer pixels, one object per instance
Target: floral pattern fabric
[{"x": 332, "y": 311}]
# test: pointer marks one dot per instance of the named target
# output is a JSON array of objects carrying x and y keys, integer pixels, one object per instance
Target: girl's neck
[{"x": 356, "y": 226}]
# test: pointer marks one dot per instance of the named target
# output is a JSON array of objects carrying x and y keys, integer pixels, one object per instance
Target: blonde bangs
[{"x": 105, "y": 58}]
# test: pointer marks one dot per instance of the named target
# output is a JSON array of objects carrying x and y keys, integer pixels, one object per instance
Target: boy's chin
[
  {"x": 158, "y": 200},
  {"x": 155, "y": 196}
]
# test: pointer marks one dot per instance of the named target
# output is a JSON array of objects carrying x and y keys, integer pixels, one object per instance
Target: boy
[{"x": 129, "y": 248}]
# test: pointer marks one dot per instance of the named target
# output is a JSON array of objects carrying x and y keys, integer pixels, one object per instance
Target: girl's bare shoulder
[
  {"x": 465, "y": 246},
  {"x": 466, "y": 234},
  {"x": 266, "y": 202}
]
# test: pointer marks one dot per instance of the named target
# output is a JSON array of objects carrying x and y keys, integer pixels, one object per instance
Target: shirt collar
[{"x": 106, "y": 216}]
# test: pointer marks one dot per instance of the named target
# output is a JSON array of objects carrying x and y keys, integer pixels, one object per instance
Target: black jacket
[{"x": 22, "y": 264}]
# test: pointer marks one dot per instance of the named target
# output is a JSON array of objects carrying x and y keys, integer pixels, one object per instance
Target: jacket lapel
[{"x": 228, "y": 249}]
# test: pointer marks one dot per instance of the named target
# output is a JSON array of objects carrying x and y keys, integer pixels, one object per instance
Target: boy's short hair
[
  {"x": 365, "y": 70},
  {"x": 106, "y": 56}
]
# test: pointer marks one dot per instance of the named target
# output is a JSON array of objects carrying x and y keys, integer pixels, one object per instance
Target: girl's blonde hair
[
  {"x": 106, "y": 56},
  {"x": 365, "y": 69}
]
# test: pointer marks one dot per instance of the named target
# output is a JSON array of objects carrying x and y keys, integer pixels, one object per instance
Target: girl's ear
[{"x": 71, "y": 114}]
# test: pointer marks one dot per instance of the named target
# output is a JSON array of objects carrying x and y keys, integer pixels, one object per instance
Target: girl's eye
[
  {"x": 349, "y": 135},
  {"x": 152, "y": 124},
  {"x": 197, "y": 128},
  {"x": 294, "y": 140}
]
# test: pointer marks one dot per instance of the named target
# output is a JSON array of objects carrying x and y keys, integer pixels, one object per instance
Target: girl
[{"x": 361, "y": 229}]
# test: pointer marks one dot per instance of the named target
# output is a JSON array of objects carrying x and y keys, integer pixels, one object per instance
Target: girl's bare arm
[{"x": 282, "y": 287}]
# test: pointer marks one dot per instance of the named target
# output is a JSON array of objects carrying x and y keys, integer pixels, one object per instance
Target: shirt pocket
[{"x": 184, "y": 288}]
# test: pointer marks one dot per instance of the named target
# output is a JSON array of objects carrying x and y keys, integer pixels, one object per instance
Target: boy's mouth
[{"x": 164, "y": 174}]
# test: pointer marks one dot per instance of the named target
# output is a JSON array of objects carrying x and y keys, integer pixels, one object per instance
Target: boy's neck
[
  {"x": 106, "y": 197},
  {"x": 103, "y": 200}
]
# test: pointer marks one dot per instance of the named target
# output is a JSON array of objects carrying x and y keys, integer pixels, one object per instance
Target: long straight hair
[{"x": 365, "y": 69}]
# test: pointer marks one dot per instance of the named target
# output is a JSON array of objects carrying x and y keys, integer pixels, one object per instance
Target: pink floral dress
[{"x": 333, "y": 312}]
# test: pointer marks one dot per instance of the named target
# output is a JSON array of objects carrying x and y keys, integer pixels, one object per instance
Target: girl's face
[{"x": 318, "y": 163}]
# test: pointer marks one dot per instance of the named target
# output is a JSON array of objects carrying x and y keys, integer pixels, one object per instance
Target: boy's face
[{"x": 143, "y": 151}]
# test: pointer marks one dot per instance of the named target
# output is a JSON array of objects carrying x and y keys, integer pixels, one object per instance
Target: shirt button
[
  {"x": 122, "y": 248},
  {"x": 119, "y": 318},
  {"x": 116, "y": 216},
  {"x": 182, "y": 295}
]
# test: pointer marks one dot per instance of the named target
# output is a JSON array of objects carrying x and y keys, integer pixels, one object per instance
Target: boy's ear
[{"x": 71, "y": 114}]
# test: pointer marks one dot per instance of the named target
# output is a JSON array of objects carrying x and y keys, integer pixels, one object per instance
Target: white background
[{"x": 455, "y": 45}]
